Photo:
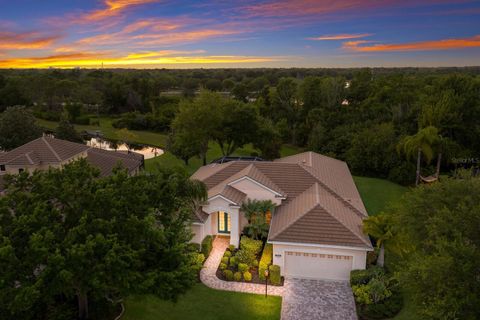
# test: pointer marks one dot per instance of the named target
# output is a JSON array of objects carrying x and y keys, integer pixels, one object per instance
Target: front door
[{"x": 223, "y": 222}]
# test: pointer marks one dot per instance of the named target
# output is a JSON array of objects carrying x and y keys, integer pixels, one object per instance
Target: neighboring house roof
[
  {"x": 321, "y": 206},
  {"x": 50, "y": 151}
]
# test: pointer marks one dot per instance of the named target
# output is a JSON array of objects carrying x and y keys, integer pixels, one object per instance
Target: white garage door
[{"x": 317, "y": 266}]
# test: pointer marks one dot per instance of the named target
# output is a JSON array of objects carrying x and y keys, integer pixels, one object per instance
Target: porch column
[{"x": 235, "y": 226}]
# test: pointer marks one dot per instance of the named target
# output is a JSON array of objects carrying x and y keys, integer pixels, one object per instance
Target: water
[{"x": 105, "y": 144}]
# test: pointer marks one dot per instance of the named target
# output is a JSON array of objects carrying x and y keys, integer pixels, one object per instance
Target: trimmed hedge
[
  {"x": 223, "y": 266},
  {"x": 274, "y": 274},
  {"x": 227, "y": 254},
  {"x": 237, "y": 276},
  {"x": 247, "y": 276},
  {"x": 231, "y": 247},
  {"x": 228, "y": 274},
  {"x": 225, "y": 260},
  {"x": 242, "y": 267},
  {"x": 265, "y": 261},
  {"x": 207, "y": 245}
]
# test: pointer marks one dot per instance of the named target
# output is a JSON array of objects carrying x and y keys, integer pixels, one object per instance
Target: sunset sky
[{"x": 242, "y": 33}]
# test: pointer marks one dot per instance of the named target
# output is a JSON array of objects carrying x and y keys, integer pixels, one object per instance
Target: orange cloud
[
  {"x": 112, "y": 8},
  {"x": 140, "y": 60},
  {"x": 340, "y": 36},
  {"x": 445, "y": 44},
  {"x": 27, "y": 40},
  {"x": 309, "y": 7}
]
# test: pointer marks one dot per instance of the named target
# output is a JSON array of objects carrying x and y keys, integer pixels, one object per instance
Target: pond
[{"x": 106, "y": 144}]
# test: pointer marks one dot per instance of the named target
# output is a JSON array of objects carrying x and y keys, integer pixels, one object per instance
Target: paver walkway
[
  {"x": 210, "y": 279},
  {"x": 318, "y": 299},
  {"x": 302, "y": 299}
]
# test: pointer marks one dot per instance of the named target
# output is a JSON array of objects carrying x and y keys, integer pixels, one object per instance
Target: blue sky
[{"x": 243, "y": 33}]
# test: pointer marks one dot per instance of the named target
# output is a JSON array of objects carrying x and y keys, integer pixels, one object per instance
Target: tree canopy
[
  {"x": 75, "y": 241},
  {"x": 438, "y": 226},
  {"x": 17, "y": 127}
]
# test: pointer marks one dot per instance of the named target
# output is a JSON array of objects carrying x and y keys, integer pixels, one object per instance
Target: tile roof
[
  {"x": 322, "y": 204},
  {"x": 50, "y": 151}
]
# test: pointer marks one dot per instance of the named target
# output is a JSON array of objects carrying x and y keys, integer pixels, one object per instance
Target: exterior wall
[
  {"x": 255, "y": 191},
  {"x": 359, "y": 256},
  {"x": 220, "y": 204},
  {"x": 198, "y": 231}
]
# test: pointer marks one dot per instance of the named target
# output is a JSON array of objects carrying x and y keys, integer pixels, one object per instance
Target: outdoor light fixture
[{"x": 266, "y": 282}]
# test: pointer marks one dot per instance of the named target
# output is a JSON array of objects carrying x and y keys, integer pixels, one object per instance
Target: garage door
[{"x": 317, "y": 266}]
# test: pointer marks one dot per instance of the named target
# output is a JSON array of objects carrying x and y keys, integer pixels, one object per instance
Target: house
[
  {"x": 45, "y": 152},
  {"x": 316, "y": 227}
]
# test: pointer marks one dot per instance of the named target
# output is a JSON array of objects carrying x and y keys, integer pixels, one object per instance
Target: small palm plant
[{"x": 256, "y": 213}]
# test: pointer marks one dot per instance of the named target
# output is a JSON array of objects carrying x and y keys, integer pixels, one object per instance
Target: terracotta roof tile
[{"x": 322, "y": 203}]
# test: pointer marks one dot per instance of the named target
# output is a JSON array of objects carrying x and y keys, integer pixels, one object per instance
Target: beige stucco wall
[
  {"x": 255, "y": 191},
  {"x": 359, "y": 256},
  {"x": 198, "y": 231}
]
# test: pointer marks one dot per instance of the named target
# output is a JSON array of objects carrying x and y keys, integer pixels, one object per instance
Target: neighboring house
[
  {"x": 45, "y": 152},
  {"x": 316, "y": 228}
]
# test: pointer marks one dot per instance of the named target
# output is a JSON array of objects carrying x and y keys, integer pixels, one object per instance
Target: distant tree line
[{"x": 372, "y": 118}]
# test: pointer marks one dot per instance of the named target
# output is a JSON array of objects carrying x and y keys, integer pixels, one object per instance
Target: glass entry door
[{"x": 223, "y": 222}]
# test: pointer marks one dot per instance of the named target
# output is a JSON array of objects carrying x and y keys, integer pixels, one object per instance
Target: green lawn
[
  {"x": 204, "y": 303},
  {"x": 377, "y": 194},
  {"x": 105, "y": 126}
]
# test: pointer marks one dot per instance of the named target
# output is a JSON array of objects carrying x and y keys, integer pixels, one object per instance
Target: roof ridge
[
  {"x": 316, "y": 203},
  {"x": 335, "y": 194},
  {"x": 28, "y": 157},
  {"x": 278, "y": 189},
  {"x": 51, "y": 149},
  {"x": 343, "y": 224}
]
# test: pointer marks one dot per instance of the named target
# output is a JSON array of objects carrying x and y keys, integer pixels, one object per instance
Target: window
[
  {"x": 2, "y": 167},
  {"x": 21, "y": 170}
]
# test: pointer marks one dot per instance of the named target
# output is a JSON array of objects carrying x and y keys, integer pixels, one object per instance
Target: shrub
[
  {"x": 274, "y": 274},
  {"x": 377, "y": 296},
  {"x": 197, "y": 261},
  {"x": 386, "y": 309},
  {"x": 227, "y": 254},
  {"x": 265, "y": 260},
  {"x": 359, "y": 277},
  {"x": 207, "y": 245},
  {"x": 237, "y": 276},
  {"x": 225, "y": 260},
  {"x": 245, "y": 256},
  {"x": 251, "y": 245},
  {"x": 223, "y": 266},
  {"x": 242, "y": 267},
  {"x": 231, "y": 247},
  {"x": 228, "y": 274},
  {"x": 255, "y": 263},
  {"x": 194, "y": 247},
  {"x": 247, "y": 276},
  {"x": 233, "y": 261}
]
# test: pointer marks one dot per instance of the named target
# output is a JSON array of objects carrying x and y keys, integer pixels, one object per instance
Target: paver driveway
[{"x": 317, "y": 299}]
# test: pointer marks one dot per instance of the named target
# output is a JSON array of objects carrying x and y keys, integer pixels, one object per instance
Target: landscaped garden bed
[
  {"x": 377, "y": 294},
  {"x": 248, "y": 263}
]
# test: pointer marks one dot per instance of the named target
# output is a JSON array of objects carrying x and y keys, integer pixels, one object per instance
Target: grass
[
  {"x": 377, "y": 194},
  {"x": 105, "y": 126},
  {"x": 204, "y": 303}
]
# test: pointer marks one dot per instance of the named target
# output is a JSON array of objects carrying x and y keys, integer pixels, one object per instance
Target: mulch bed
[{"x": 253, "y": 271}]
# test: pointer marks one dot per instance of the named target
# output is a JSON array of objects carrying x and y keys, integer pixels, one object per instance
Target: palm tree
[
  {"x": 379, "y": 227},
  {"x": 424, "y": 142},
  {"x": 256, "y": 213}
]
